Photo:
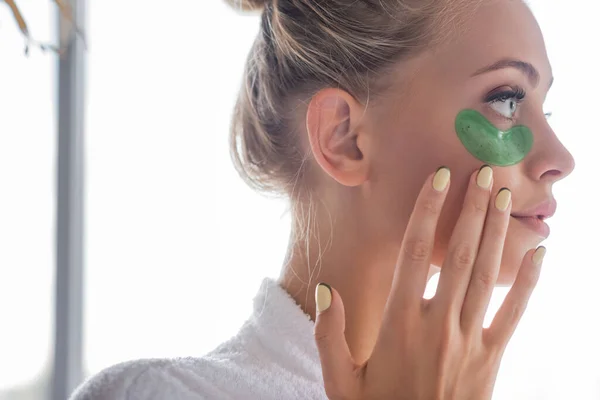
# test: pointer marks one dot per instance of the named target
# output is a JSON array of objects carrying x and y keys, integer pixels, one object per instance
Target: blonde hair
[{"x": 305, "y": 45}]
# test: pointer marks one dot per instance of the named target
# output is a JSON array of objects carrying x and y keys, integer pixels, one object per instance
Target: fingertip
[
  {"x": 538, "y": 255},
  {"x": 323, "y": 297},
  {"x": 483, "y": 177},
  {"x": 441, "y": 179},
  {"x": 503, "y": 200}
]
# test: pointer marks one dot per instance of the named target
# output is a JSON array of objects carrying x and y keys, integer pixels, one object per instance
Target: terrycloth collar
[
  {"x": 273, "y": 357},
  {"x": 283, "y": 327}
]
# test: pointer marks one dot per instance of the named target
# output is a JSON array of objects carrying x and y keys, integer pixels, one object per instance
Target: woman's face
[{"x": 498, "y": 66}]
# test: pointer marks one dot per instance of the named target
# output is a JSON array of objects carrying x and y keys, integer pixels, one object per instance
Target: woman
[{"x": 349, "y": 109}]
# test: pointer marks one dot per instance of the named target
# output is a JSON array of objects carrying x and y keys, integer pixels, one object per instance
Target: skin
[{"x": 370, "y": 163}]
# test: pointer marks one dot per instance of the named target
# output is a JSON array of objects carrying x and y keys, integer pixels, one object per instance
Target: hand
[{"x": 434, "y": 348}]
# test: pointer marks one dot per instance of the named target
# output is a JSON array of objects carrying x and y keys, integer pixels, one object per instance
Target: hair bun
[{"x": 247, "y": 5}]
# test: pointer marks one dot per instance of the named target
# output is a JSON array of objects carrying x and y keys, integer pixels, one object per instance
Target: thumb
[{"x": 336, "y": 361}]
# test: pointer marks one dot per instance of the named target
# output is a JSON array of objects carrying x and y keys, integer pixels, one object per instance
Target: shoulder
[
  {"x": 113, "y": 382},
  {"x": 148, "y": 379}
]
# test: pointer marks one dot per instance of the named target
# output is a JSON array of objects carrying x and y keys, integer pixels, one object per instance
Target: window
[{"x": 27, "y": 205}]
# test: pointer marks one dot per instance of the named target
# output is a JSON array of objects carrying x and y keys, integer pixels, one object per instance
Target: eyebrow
[{"x": 526, "y": 68}]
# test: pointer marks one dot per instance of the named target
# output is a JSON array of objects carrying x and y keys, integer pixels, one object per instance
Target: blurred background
[{"x": 126, "y": 233}]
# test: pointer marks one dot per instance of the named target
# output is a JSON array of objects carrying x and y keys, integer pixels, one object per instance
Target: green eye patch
[{"x": 489, "y": 144}]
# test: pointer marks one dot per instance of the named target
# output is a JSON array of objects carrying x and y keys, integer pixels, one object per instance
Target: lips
[
  {"x": 544, "y": 210},
  {"x": 534, "y": 217}
]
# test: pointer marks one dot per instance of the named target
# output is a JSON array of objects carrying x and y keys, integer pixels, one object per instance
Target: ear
[{"x": 333, "y": 123}]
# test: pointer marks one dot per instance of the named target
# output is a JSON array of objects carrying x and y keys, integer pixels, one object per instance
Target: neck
[{"x": 359, "y": 266}]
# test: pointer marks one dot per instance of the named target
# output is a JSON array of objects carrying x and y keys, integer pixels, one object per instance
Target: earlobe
[{"x": 333, "y": 123}]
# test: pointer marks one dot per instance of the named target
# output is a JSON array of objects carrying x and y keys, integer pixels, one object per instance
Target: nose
[{"x": 550, "y": 159}]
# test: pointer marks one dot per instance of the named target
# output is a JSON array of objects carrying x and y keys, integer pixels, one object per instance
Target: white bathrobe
[{"x": 273, "y": 357}]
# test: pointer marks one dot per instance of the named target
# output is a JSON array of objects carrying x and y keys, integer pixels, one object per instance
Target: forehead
[{"x": 497, "y": 29}]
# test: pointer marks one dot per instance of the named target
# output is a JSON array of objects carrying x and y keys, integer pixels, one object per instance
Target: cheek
[
  {"x": 518, "y": 240},
  {"x": 399, "y": 172}
]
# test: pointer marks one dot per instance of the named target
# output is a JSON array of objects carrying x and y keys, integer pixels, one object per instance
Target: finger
[
  {"x": 464, "y": 242},
  {"x": 336, "y": 361},
  {"x": 514, "y": 305},
  {"x": 487, "y": 265},
  {"x": 414, "y": 260}
]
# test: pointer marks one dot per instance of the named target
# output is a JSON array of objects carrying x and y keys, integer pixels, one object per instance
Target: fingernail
[
  {"x": 484, "y": 177},
  {"x": 441, "y": 179},
  {"x": 539, "y": 254},
  {"x": 323, "y": 296},
  {"x": 503, "y": 199}
]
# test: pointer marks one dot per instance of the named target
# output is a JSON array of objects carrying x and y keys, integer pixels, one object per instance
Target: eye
[
  {"x": 507, "y": 108},
  {"x": 506, "y": 103}
]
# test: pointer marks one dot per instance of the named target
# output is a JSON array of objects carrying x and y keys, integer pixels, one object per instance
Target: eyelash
[{"x": 517, "y": 93}]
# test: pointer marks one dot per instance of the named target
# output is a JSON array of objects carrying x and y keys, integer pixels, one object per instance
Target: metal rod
[{"x": 68, "y": 360}]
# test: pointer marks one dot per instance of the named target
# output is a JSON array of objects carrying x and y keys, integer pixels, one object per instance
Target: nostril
[{"x": 553, "y": 173}]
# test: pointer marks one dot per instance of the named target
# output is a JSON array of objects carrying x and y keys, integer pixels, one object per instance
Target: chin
[
  {"x": 511, "y": 262},
  {"x": 519, "y": 240}
]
